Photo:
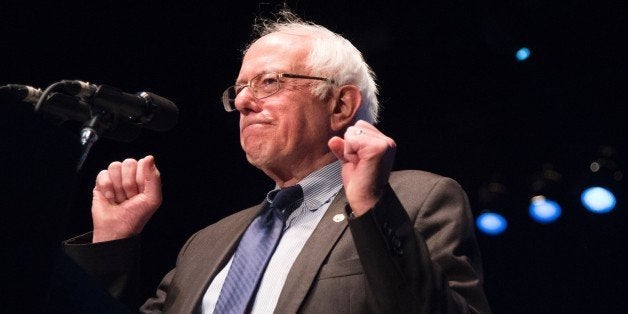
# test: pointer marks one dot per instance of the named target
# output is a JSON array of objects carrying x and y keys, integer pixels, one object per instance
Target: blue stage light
[
  {"x": 544, "y": 210},
  {"x": 491, "y": 223},
  {"x": 598, "y": 200},
  {"x": 522, "y": 54}
]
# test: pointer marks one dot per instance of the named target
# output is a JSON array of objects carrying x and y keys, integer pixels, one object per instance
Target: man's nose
[{"x": 245, "y": 101}]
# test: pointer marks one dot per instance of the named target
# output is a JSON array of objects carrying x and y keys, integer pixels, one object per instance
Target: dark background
[{"x": 455, "y": 100}]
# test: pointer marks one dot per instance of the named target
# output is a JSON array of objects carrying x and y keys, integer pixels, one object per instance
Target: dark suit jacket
[{"x": 414, "y": 252}]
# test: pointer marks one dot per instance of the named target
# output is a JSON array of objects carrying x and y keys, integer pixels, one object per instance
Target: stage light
[
  {"x": 545, "y": 187},
  {"x": 601, "y": 183},
  {"x": 522, "y": 54},
  {"x": 544, "y": 210},
  {"x": 493, "y": 198},
  {"x": 598, "y": 200},
  {"x": 491, "y": 223}
]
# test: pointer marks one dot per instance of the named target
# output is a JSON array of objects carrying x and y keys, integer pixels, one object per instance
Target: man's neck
[{"x": 292, "y": 174}]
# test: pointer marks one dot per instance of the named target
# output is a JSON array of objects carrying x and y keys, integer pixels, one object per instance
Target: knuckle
[
  {"x": 103, "y": 178},
  {"x": 129, "y": 161},
  {"x": 102, "y": 174},
  {"x": 115, "y": 165}
]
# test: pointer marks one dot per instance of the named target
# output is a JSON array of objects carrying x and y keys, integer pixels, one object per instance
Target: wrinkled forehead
[{"x": 276, "y": 52}]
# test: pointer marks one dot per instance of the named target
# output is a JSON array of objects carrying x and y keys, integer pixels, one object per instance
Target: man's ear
[{"x": 346, "y": 102}]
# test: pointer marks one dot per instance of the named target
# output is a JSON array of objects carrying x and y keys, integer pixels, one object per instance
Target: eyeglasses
[{"x": 262, "y": 86}]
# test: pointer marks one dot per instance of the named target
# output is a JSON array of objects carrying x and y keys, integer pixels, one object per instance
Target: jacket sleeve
[
  {"x": 112, "y": 267},
  {"x": 108, "y": 269},
  {"x": 419, "y": 252}
]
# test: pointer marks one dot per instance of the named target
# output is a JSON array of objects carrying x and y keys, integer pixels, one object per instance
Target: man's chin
[{"x": 257, "y": 161}]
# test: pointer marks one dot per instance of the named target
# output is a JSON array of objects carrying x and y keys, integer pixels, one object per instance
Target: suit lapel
[
  {"x": 210, "y": 255},
  {"x": 308, "y": 263}
]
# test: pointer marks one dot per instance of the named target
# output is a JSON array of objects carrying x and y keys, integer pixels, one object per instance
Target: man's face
[{"x": 288, "y": 131}]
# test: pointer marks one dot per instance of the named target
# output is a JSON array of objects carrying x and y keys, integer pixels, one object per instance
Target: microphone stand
[
  {"x": 97, "y": 106},
  {"x": 89, "y": 135}
]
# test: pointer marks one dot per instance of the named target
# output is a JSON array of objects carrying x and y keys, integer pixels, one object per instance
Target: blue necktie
[{"x": 254, "y": 251}]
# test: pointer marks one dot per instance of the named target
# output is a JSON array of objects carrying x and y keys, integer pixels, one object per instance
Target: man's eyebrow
[{"x": 242, "y": 81}]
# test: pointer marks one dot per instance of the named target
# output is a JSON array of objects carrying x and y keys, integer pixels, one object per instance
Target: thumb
[
  {"x": 337, "y": 146},
  {"x": 149, "y": 178}
]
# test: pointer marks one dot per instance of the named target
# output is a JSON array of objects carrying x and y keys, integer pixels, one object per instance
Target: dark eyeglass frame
[{"x": 256, "y": 84}]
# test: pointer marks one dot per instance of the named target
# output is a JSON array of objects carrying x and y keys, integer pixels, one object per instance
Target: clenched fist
[
  {"x": 367, "y": 157},
  {"x": 126, "y": 195}
]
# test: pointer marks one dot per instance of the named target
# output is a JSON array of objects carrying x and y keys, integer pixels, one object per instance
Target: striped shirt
[{"x": 319, "y": 189}]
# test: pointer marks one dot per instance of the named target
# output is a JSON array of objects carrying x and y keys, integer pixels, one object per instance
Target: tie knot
[{"x": 287, "y": 200}]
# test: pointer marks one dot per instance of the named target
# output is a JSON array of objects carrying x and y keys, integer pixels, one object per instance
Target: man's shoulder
[
  {"x": 413, "y": 174},
  {"x": 420, "y": 182},
  {"x": 421, "y": 176}
]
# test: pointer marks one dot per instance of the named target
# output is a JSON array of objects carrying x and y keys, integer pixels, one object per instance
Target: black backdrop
[{"x": 454, "y": 99}]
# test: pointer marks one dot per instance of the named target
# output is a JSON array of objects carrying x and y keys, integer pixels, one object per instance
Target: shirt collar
[{"x": 319, "y": 186}]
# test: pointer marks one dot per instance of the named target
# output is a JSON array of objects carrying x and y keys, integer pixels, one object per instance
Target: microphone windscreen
[{"x": 165, "y": 113}]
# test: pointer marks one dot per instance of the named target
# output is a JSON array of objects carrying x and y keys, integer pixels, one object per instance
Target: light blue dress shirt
[{"x": 319, "y": 189}]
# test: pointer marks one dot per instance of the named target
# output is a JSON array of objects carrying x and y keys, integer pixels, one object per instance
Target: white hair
[{"x": 331, "y": 56}]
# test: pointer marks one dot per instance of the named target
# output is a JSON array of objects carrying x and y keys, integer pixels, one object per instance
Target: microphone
[
  {"x": 107, "y": 110},
  {"x": 60, "y": 107},
  {"x": 103, "y": 110},
  {"x": 16, "y": 92},
  {"x": 143, "y": 109},
  {"x": 146, "y": 109},
  {"x": 78, "y": 101}
]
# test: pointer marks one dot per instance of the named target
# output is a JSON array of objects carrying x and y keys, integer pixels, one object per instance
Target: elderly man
[{"x": 351, "y": 236}]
